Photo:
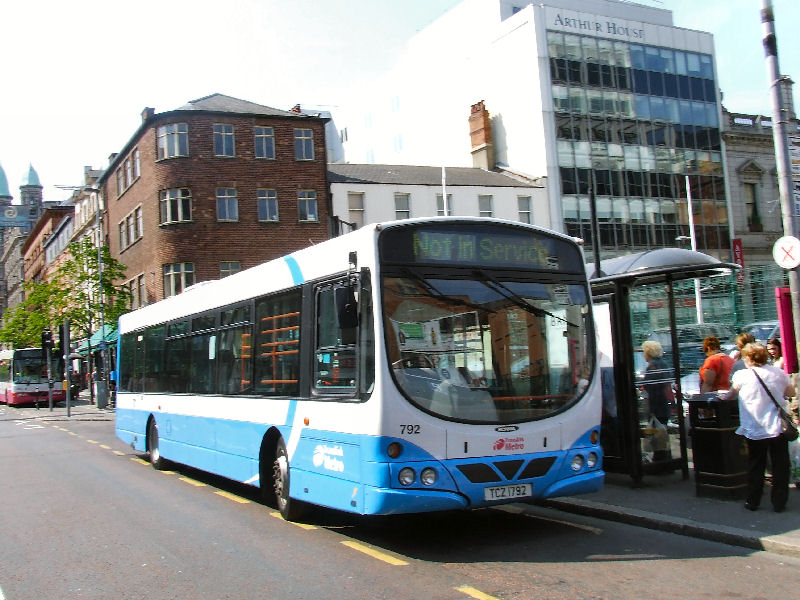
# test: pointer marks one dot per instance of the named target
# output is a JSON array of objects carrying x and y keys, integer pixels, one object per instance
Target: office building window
[
  {"x": 227, "y": 204},
  {"x": 355, "y": 205},
  {"x": 303, "y": 144},
  {"x": 441, "y": 209},
  {"x": 402, "y": 206},
  {"x": 229, "y": 267},
  {"x": 265, "y": 142},
  {"x": 749, "y": 190},
  {"x": 307, "y": 205},
  {"x": 137, "y": 164},
  {"x": 141, "y": 284},
  {"x": 485, "y": 205},
  {"x": 524, "y": 208},
  {"x": 175, "y": 205},
  {"x": 173, "y": 140},
  {"x": 177, "y": 277},
  {"x": 224, "y": 141},
  {"x": 267, "y": 205}
]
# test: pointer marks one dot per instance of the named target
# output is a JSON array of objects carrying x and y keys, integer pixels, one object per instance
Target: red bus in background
[{"x": 23, "y": 377}]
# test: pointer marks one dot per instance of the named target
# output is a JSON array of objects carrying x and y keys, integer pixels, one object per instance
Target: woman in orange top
[{"x": 715, "y": 374}]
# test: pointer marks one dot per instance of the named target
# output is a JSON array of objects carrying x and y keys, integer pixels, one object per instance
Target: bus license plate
[{"x": 504, "y": 492}]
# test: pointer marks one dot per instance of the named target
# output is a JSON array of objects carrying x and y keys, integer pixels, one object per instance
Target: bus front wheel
[
  {"x": 156, "y": 459},
  {"x": 290, "y": 509}
]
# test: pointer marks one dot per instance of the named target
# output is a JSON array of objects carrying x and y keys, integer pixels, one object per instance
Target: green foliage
[
  {"x": 72, "y": 293},
  {"x": 78, "y": 285}
]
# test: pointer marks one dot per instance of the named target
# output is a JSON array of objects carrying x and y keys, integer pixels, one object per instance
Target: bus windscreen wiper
[
  {"x": 431, "y": 291},
  {"x": 509, "y": 294}
]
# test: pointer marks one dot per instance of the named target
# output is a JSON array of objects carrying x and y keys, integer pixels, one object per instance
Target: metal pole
[
  {"x": 783, "y": 164},
  {"x": 444, "y": 193},
  {"x": 595, "y": 231},
  {"x": 65, "y": 345},
  {"x": 698, "y": 299},
  {"x": 102, "y": 384}
]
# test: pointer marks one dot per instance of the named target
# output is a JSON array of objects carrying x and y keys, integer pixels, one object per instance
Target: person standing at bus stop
[
  {"x": 715, "y": 374},
  {"x": 760, "y": 424}
]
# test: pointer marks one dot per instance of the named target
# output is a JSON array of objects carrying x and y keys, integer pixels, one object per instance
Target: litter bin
[{"x": 718, "y": 454}]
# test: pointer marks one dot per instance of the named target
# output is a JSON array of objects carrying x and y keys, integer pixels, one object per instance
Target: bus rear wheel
[
  {"x": 290, "y": 509},
  {"x": 158, "y": 462}
]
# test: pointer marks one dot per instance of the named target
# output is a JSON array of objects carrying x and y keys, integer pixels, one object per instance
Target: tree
[
  {"x": 77, "y": 287},
  {"x": 24, "y": 323}
]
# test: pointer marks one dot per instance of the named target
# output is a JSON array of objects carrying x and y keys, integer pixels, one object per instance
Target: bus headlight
[
  {"x": 591, "y": 460},
  {"x": 577, "y": 463},
  {"x": 428, "y": 476},
  {"x": 406, "y": 476}
]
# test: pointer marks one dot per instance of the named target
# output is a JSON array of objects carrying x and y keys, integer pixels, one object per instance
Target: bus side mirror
[{"x": 346, "y": 307}]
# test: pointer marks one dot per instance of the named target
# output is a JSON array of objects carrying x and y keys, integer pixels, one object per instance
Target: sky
[{"x": 75, "y": 76}]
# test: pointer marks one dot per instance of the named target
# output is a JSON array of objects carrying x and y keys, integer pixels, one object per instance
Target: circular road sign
[{"x": 786, "y": 252}]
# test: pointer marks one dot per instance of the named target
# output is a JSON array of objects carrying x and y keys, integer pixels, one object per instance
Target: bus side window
[{"x": 337, "y": 319}]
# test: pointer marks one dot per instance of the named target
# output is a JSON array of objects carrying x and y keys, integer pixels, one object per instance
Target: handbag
[{"x": 788, "y": 428}]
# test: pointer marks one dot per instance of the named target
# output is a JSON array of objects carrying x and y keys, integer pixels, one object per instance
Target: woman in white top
[{"x": 760, "y": 424}]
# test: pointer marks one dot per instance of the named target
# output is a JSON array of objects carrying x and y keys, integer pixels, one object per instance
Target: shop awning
[{"x": 107, "y": 334}]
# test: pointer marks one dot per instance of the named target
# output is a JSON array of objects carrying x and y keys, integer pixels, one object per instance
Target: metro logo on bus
[
  {"x": 517, "y": 443},
  {"x": 327, "y": 457}
]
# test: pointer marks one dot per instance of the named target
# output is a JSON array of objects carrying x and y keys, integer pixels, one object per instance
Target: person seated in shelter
[
  {"x": 715, "y": 374},
  {"x": 657, "y": 380}
]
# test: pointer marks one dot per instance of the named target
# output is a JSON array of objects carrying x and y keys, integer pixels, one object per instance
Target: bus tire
[
  {"x": 290, "y": 509},
  {"x": 158, "y": 461}
]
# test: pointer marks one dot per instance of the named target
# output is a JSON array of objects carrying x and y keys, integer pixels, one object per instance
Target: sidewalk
[
  {"x": 662, "y": 502},
  {"x": 79, "y": 410},
  {"x": 670, "y": 503}
]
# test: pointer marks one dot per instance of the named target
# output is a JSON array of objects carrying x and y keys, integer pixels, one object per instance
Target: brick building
[
  {"x": 213, "y": 187},
  {"x": 36, "y": 260}
]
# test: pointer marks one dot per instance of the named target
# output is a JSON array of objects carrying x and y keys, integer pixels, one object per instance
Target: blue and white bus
[{"x": 417, "y": 365}]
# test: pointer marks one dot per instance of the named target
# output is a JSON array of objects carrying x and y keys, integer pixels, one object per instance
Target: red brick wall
[{"x": 205, "y": 241}]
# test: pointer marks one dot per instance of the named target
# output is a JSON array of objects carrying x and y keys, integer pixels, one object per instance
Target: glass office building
[
  {"x": 634, "y": 121},
  {"x": 599, "y": 94}
]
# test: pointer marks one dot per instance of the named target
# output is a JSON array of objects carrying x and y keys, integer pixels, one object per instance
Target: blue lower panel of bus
[{"x": 354, "y": 473}]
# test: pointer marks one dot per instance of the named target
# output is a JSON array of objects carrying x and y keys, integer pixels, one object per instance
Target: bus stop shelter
[{"x": 623, "y": 424}]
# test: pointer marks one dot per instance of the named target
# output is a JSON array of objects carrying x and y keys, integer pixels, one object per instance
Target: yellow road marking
[
  {"x": 167, "y": 472},
  {"x": 104, "y": 447},
  {"x": 300, "y": 525},
  {"x": 192, "y": 482},
  {"x": 473, "y": 593},
  {"x": 233, "y": 497},
  {"x": 92, "y": 442},
  {"x": 375, "y": 554},
  {"x": 118, "y": 453},
  {"x": 139, "y": 460},
  {"x": 72, "y": 433}
]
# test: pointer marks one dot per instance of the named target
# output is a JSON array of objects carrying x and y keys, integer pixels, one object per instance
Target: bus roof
[{"x": 316, "y": 261}]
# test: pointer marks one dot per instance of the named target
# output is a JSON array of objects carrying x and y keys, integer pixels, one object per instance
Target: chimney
[
  {"x": 296, "y": 109},
  {"x": 786, "y": 83},
  {"x": 112, "y": 157},
  {"x": 480, "y": 134},
  {"x": 148, "y": 113}
]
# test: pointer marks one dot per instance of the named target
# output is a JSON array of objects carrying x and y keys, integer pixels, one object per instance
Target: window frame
[
  {"x": 303, "y": 144},
  {"x": 180, "y": 202},
  {"x": 307, "y": 197},
  {"x": 268, "y": 199},
  {"x": 172, "y": 141},
  {"x": 267, "y": 142},
  {"x": 224, "y": 140},
  {"x": 182, "y": 272},
  {"x": 229, "y": 202}
]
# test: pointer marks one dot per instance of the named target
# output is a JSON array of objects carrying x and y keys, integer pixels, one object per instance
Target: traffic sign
[{"x": 786, "y": 252}]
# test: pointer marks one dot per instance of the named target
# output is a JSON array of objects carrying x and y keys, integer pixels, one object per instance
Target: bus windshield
[
  {"x": 494, "y": 348},
  {"x": 30, "y": 367}
]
